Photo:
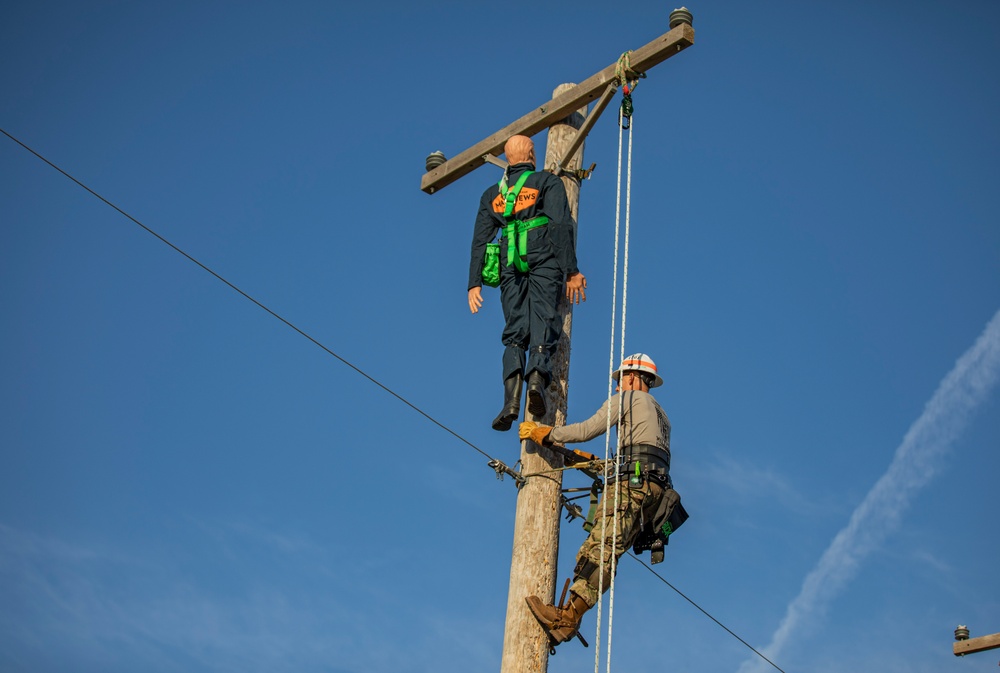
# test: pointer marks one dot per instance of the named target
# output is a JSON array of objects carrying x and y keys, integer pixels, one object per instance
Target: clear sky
[{"x": 187, "y": 484}]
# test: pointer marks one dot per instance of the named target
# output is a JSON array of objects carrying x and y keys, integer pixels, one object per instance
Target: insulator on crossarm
[
  {"x": 434, "y": 159},
  {"x": 679, "y": 16}
]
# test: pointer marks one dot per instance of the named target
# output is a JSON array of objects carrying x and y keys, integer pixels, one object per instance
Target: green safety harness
[{"x": 516, "y": 231}]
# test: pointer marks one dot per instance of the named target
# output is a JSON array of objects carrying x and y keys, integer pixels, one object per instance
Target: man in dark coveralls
[{"x": 537, "y": 260}]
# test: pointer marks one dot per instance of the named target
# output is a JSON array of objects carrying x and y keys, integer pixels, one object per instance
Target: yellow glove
[{"x": 534, "y": 431}]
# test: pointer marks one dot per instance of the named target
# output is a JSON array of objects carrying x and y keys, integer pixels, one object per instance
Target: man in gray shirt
[{"x": 643, "y": 489}]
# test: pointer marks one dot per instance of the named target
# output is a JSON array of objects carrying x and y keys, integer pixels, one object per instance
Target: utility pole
[{"x": 534, "y": 559}]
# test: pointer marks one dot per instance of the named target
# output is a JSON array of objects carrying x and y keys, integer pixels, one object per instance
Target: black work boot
[
  {"x": 560, "y": 623},
  {"x": 536, "y": 393},
  {"x": 511, "y": 402}
]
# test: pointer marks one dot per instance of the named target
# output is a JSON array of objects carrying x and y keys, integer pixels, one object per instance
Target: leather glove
[{"x": 537, "y": 433}]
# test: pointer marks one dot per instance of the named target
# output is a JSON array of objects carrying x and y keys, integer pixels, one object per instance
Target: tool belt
[{"x": 646, "y": 461}]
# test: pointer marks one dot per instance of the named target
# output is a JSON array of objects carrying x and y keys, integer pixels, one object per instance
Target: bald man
[{"x": 537, "y": 264}]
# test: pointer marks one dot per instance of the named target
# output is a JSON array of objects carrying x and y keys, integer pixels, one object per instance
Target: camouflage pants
[{"x": 635, "y": 507}]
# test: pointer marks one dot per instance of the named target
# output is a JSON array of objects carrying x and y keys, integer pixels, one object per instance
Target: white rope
[
  {"x": 611, "y": 367},
  {"x": 614, "y": 562}
]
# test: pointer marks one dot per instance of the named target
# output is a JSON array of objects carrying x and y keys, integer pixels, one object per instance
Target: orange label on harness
[{"x": 525, "y": 199}]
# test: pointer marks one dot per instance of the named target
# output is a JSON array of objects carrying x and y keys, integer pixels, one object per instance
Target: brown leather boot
[{"x": 560, "y": 623}]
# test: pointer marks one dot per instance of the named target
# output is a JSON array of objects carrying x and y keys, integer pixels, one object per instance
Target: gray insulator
[
  {"x": 962, "y": 632},
  {"x": 679, "y": 16},
  {"x": 434, "y": 159}
]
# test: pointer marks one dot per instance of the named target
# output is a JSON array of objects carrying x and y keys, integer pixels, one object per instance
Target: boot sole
[
  {"x": 503, "y": 423},
  {"x": 557, "y": 634},
  {"x": 536, "y": 403}
]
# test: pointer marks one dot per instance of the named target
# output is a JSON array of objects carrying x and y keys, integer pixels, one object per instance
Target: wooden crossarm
[
  {"x": 560, "y": 107},
  {"x": 979, "y": 644}
]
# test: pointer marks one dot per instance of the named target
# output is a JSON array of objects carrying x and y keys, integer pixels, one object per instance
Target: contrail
[{"x": 915, "y": 463}]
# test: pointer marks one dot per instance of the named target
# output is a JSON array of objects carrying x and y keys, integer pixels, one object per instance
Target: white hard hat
[{"x": 639, "y": 362}]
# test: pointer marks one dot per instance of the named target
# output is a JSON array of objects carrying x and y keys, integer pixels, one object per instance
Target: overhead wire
[
  {"x": 360, "y": 371},
  {"x": 256, "y": 302},
  {"x": 704, "y": 611}
]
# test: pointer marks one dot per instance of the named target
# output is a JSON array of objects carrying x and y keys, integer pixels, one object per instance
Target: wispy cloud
[
  {"x": 749, "y": 480},
  {"x": 915, "y": 463}
]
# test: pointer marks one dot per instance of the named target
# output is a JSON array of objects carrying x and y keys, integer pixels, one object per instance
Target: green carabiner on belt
[{"x": 637, "y": 479}]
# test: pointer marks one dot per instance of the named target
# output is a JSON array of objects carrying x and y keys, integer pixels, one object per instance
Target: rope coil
[{"x": 626, "y": 76}]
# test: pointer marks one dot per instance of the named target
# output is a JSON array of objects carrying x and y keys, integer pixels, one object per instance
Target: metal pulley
[{"x": 627, "y": 110}]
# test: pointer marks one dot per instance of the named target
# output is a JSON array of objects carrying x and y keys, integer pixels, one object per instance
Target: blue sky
[{"x": 187, "y": 484}]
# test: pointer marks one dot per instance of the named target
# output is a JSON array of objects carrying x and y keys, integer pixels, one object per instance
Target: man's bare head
[{"x": 519, "y": 149}]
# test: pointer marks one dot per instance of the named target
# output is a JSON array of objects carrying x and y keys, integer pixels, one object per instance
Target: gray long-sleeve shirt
[{"x": 642, "y": 421}]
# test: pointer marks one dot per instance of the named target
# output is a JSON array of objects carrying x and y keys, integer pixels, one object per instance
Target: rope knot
[{"x": 626, "y": 76}]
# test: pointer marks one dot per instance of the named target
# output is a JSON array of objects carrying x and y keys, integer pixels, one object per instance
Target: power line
[
  {"x": 496, "y": 464},
  {"x": 705, "y": 612},
  {"x": 265, "y": 308}
]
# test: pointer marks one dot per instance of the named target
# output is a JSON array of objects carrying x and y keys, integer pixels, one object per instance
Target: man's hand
[
  {"x": 475, "y": 299},
  {"x": 525, "y": 429},
  {"x": 576, "y": 288},
  {"x": 537, "y": 433}
]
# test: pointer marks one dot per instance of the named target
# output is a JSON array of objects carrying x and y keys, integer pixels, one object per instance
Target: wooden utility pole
[
  {"x": 534, "y": 560},
  {"x": 535, "y": 556}
]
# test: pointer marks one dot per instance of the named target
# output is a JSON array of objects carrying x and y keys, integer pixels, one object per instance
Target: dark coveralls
[{"x": 529, "y": 299}]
